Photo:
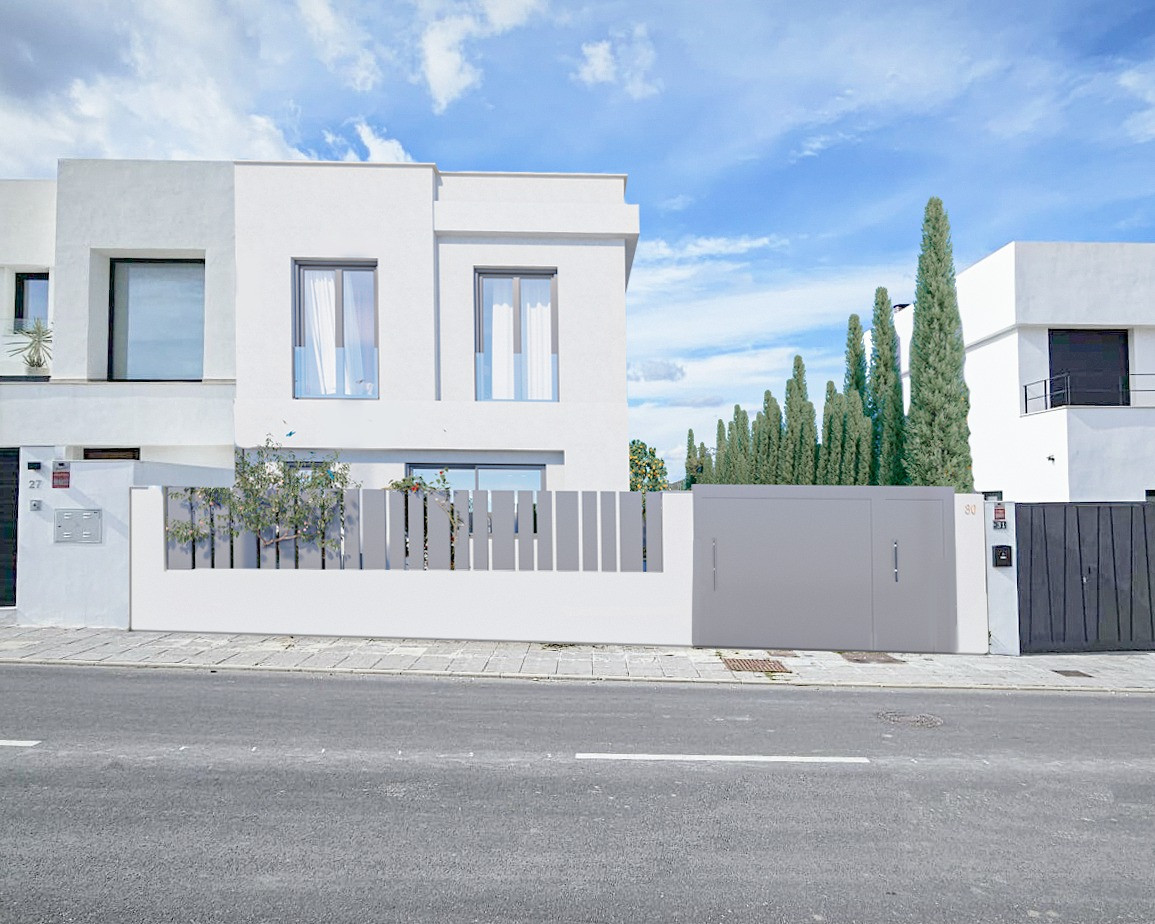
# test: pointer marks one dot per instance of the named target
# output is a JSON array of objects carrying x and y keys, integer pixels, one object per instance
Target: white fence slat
[
  {"x": 589, "y": 530},
  {"x": 480, "y": 530},
  {"x": 246, "y": 553},
  {"x": 545, "y": 531},
  {"x": 609, "y": 516},
  {"x": 566, "y": 523},
  {"x": 415, "y": 529},
  {"x": 222, "y": 537},
  {"x": 437, "y": 514},
  {"x": 351, "y": 531},
  {"x": 525, "y": 531},
  {"x": 395, "y": 545},
  {"x": 460, "y": 527},
  {"x": 630, "y": 529},
  {"x": 502, "y": 530},
  {"x": 373, "y": 530}
]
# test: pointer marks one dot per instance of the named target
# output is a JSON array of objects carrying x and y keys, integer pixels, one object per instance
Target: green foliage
[
  {"x": 738, "y": 461},
  {"x": 884, "y": 396},
  {"x": 705, "y": 464},
  {"x": 275, "y": 496},
  {"x": 833, "y": 427},
  {"x": 937, "y": 436},
  {"x": 647, "y": 471},
  {"x": 856, "y": 443},
  {"x": 796, "y": 463},
  {"x": 693, "y": 465},
  {"x": 36, "y": 348},
  {"x": 766, "y": 441},
  {"x": 855, "y": 359}
]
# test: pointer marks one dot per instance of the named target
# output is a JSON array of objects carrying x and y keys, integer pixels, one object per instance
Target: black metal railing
[{"x": 1069, "y": 389}]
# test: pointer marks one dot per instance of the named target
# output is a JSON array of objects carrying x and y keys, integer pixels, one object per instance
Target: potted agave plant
[{"x": 36, "y": 348}]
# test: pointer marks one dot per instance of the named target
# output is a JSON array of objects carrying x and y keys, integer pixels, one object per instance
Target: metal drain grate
[
  {"x": 1071, "y": 673},
  {"x": 920, "y": 720},
  {"x": 761, "y": 665},
  {"x": 870, "y": 657}
]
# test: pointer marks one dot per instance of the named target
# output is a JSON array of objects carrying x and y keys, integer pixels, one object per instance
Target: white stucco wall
[
  {"x": 151, "y": 209},
  {"x": 1002, "y": 583},
  {"x": 425, "y": 275},
  {"x": 1111, "y": 453},
  {"x": 27, "y": 245},
  {"x": 549, "y": 606},
  {"x": 1084, "y": 284},
  {"x": 970, "y": 575},
  {"x": 65, "y": 584}
]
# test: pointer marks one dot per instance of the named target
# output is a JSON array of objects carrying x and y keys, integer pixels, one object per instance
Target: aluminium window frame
[
  {"x": 113, "y": 262},
  {"x": 298, "y": 328},
  {"x": 475, "y": 467},
  {"x": 18, "y": 300},
  {"x": 516, "y": 273}
]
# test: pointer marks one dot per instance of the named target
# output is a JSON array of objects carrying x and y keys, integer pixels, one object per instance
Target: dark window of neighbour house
[
  {"x": 1089, "y": 367},
  {"x": 94, "y": 453},
  {"x": 31, "y": 299},
  {"x": 156, "y": 326}
]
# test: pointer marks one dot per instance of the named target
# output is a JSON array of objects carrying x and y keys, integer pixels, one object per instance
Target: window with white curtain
[
  {"x": 335, "y": 331},
  {"x": 516, "y": 338}
]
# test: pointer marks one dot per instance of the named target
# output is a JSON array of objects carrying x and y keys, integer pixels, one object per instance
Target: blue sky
[{"x": 781, "y": 153}]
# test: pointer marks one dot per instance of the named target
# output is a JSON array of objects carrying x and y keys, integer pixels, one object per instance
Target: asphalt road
[{"x": 169, "y": 795}]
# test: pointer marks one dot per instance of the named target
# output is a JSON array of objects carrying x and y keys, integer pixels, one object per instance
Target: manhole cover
[
  {"x": 870, "y": 657},
  {"x": 919, "y": 720},
  {"x": 761, "y": 665},
  {"x": 1071, "y": 673}
]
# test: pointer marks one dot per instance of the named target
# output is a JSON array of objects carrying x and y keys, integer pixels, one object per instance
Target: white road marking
[
  {"x": 730, "y": 758},
  {"x": 7, "y": 743}
]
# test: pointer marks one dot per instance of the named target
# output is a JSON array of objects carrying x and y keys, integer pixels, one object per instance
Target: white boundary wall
[
  {"x": 970, "y": 575},
  {"x": 544, "y": 606}
]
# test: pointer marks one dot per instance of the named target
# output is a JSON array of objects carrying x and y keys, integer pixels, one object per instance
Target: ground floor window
[{"x": 484, "y": 477}]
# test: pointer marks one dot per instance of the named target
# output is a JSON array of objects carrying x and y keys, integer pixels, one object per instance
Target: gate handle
[
  {"x": 714, "y": 544},
  {"x": 896, "y": 561}
]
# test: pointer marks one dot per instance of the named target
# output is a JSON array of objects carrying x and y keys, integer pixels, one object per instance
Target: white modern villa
[
  {"x": 410, "y": 319},
  {"x": 1060, "y": 362}
]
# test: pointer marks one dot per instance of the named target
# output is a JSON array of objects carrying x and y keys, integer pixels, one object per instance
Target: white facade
[
  {"x": 1035, "y": 435},
  {"x": 424, "y": 236}
]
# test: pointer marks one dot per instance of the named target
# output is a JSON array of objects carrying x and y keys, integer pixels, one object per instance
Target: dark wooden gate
[
  {"x": 1086, "y": 575},
  {"x": 9, "y": 492}
]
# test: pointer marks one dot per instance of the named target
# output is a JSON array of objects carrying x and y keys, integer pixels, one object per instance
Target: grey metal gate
[
  {"x": 779, "y": 566},
  {"x": 9, "y": 492},
  {"x": 1085, "y": 577}
]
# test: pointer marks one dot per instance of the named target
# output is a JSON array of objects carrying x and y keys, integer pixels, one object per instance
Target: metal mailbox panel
[{"x": 80, "y": 526}]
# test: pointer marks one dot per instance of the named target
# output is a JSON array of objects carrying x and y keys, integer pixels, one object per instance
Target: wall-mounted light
[{"x": 1050, "y": 458}]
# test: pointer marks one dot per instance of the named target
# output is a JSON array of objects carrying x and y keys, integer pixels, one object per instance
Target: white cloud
[
  {"x": 626, "y": 59},
  {"x": 1140, "y": 82},
  {"x": 341, "y": 44},
  {"x": 447, "y": 70},
  {"x": 374, "y": 147}
]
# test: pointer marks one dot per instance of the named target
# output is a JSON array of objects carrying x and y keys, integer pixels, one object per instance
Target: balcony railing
[{"x": 1069, "y": 389}]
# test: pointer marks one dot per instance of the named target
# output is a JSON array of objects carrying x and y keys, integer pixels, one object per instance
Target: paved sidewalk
[{"x": 1117, "y": 672}]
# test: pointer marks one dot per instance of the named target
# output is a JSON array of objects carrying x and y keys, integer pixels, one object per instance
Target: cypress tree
[
  {"x": 826, "y": 447},
  {"x": 937, "y": 438},
  {"x": 799, "y": 442},
  {"x": 856, "y": 443},
  {"x": 766, "y": 439},
  {"x": 706, "y": 465},
  {"x": 738, "y": 447},
  {"x": 692, "y": 471},
  {"x": 721, "y": 456},
  {"x": 884, "y": 397},
  {"x": 855, "y": 359}
]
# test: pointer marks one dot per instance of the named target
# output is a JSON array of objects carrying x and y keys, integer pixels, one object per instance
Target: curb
[{"x": 583, "y": 678}]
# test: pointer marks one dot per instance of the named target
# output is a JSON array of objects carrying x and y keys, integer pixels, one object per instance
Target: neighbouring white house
[
  {"x": 410, "y": 319},
  {"x": 1060, "y": 363}
]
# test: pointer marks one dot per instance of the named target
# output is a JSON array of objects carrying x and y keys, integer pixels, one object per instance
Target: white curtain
[
  {"x": 502, "y": 358},
  {"x": 360, "y": 363},
  {"x": 538, "y": 347},
  {"x": 320, "y": 323}
]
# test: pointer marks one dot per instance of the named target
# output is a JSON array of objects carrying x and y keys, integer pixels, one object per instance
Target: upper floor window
[
  {"x": 464, "y": 477},
  {"x": 31, "y": 299},
  {"x": 516, "y": 336},
  {"x": 156, "y": 320},
  {"x": 335, "y": 331},
  {"x": 1089, "y": 367}
]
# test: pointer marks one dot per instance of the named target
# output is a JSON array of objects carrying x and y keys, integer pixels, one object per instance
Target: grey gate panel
[
  {"x": 9, "y": 494},
  {"x": 780, "y": 566},
  {"x": 914, "y": 575},
  {"x": 1085, "y": 577}
]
